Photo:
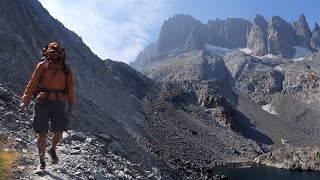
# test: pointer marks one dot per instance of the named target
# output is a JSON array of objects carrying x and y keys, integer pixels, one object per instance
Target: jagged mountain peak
[
  {"x": 280, "y": 37},
  {"x": 315, "y": 38},
  {"x": 302, "y": 17},
  {"x": 179, "y": 33},
  {"x": 183, "y": 33},
  {"x": 257, "y": 39},
  {"x": 277, "y": 21},
  {"x": 316, "y": 27},
  {"x": 302, "y": 32},
  {"x": 258, "y": 18}
]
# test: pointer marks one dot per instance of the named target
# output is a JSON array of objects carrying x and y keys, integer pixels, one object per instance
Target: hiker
[{"x": 51, "y": 83}]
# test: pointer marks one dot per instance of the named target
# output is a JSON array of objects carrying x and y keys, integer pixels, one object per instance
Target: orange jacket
[{"x": 53, "y": 78}]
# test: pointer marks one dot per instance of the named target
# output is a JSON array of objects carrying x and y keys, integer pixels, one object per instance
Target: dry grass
[
  {"x": 6, "y": 161},
  {"x": 7, "y": 158}
]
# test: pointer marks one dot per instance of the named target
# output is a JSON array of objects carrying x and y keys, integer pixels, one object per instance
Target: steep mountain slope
[
  {"x": 274, "y": 98},
  {"x": 138, "y": 119}
]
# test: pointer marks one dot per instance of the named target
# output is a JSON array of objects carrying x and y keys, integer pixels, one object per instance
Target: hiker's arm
[
  {"x": 70, "y": 89},
  {"x": 32, "y": 85}
]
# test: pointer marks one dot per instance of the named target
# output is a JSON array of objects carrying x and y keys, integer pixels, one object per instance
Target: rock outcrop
[
  {"x": 257, "y": 39},
  {"x": 302, "y": 80},
  {"x": 253, "y": 77},
  {"x": 281, "y": 38},
  {"x": 302, "y": 32},
  {"x": 315, "y": 39},
  {"x": 194, "y": 65},
  {"x": 211, "y": 97},
  {"x": 292, "y": 158}
]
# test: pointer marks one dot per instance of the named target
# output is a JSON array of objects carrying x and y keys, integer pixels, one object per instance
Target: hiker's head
[{"x": 54, "y": 52}]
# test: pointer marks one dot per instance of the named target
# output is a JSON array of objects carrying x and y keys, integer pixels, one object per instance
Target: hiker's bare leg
[
  {"x": 57, "y": 136},
  {"x": 42, "y": 144}
]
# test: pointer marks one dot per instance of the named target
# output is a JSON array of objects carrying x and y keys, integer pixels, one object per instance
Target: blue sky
[{"x": 121, "y": 29}]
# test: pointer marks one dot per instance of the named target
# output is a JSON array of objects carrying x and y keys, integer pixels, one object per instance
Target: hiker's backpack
[{"x": 44, "y": 57}]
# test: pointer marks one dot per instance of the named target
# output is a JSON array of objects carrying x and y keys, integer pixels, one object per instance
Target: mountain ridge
[{"x": 277, "y": 37}]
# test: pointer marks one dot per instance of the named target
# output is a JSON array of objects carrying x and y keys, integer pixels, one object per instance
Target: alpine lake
[{"x": 237, "y": 171}]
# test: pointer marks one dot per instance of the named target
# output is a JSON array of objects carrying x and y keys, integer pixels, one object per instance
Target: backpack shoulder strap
[{"x": 66, "y": 73}]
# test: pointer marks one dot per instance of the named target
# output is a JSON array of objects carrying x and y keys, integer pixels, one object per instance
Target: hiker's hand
[
  {"x": 23, "y": 107},
  {"x": 70, "y": 111}
]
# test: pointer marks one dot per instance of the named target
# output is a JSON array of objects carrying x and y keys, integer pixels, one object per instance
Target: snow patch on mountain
[
  {"x": 269, "y": 109},
  {"x": 300, "y": 53},
  {"x": 278, "y": 68},
  {"x": 220, "y": 51},
  {"x": 246, "y": 50}
]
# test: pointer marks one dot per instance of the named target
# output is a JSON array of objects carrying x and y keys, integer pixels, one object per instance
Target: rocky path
[{"x": 82, "y": 155}]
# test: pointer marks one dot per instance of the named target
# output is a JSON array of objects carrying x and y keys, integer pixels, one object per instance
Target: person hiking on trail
[{"x": 52, "y": 83}]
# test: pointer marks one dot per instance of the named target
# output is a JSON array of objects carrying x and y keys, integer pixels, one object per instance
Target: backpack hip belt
[{"x": 51, "y": 91}]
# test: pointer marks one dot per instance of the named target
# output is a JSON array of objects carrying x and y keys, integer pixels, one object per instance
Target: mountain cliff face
[
  {"x": 257, "y": 39},
  {"x": 280, "y": 38},
  {"x": 302, "y": 32},
  {"x": 182, "y": 33},
  {"x": 315, "y": 38},
  {"x": 263, "y": 91},
  {"x": 230, "y": 33}
]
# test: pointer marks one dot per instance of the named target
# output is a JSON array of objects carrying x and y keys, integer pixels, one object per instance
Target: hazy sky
[{"x": 120, "y": 29}]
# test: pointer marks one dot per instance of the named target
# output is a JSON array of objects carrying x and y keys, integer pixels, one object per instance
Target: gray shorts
[{"x": 52, "y": 111}]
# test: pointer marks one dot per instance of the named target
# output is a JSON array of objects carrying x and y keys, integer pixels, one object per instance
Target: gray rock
[
  {"x": 315, "y": 39},
  {"x": 180, "y": 33},
  {"x": 104, "y": 137},
  {"x": 302, "y": 80},
  {"x": 257, "y": 39},
  {"x": 138, "y": 168},
  {"x": 184, "y": 67},
  {"x": 281, "y": 38},
  {"x": 80, "y": 136},
  {"x": 302, "y": 32},
  {"x": 230, "y": 33},
  {"x": 294, "y": 158},
  {"x": 253, "y": 78},
  {"x": 5, "y": 94}
]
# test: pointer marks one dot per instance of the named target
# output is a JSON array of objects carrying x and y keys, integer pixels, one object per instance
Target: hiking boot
[
  {"x": 54, "y": 156},
  {"x": 40, "y": 169}
]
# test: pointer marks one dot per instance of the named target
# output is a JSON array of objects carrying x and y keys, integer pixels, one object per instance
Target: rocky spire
[
  {"x": 181, "y": 33},
  {"x": 302, "y": 32},
  {"x": 315, "y": 38},
  {"x": 257, "y": 39},
  {"x": 280, "y": 38}
]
